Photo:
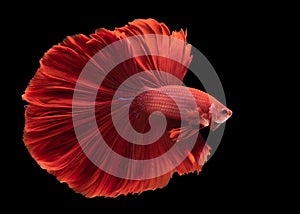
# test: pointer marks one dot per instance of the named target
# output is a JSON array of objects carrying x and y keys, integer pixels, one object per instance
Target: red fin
[
  {"x": 191, "y": 158},
  {"x": 144, "y": 26},
  {"x": 186, "y": 132},
  {"x": 196, "y": 158},
  {"x": 171, "y": 47},
  {"x": 49, "y": 130}
]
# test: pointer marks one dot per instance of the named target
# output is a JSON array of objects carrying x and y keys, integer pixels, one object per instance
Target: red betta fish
[{"x": 108, "y": 113}]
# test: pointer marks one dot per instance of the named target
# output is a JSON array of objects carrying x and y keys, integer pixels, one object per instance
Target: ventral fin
[{"x": 184, "y": 132}]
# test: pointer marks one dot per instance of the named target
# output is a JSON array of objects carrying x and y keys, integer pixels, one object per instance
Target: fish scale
[{"x": 161, "y": 99}]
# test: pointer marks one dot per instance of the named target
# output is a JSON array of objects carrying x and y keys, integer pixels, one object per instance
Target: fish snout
[{"x": 229, "y": 112}]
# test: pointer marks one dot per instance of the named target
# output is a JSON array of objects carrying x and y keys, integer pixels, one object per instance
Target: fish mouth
[{"x": 214, "y": 126}]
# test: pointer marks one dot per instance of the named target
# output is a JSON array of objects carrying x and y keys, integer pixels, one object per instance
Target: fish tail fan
[
  {"x": 58, "y": 93},
  {"x": 70, "y": 101}
]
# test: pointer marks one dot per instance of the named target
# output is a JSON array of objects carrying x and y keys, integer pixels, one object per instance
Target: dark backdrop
[{"x": 227, "y": 179}]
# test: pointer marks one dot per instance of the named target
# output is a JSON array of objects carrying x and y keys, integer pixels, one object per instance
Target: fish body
[
  {"x": 208, "y": 109},
  {"x": 56, "y": 109}
]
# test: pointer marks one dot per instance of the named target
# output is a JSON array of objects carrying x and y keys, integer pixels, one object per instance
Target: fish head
[{"x": 218, "y": 114}]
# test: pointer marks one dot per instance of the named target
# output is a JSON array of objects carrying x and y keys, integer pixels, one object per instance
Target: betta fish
[{"x": 113, "y": 120}]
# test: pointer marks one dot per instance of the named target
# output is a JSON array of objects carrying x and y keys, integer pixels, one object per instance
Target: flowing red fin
[
  {"x": 160, "y": 48},
  {"x": 49, "y": 132},
  {"x": 191, "y": 157},
  {"x": 195, "y": 158},
  {"x": 184, "y": 132},
  {"x": 144, "y": 26}
]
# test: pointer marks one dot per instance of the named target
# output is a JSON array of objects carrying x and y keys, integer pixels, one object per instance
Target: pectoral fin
[{"x": 196, "y": 118}]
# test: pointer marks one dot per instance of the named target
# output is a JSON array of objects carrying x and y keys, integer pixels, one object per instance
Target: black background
[{"x": 229, "y": 178}]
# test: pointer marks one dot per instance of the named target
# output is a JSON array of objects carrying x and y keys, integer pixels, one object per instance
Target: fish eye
[{"x": 224, "y": 111}]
